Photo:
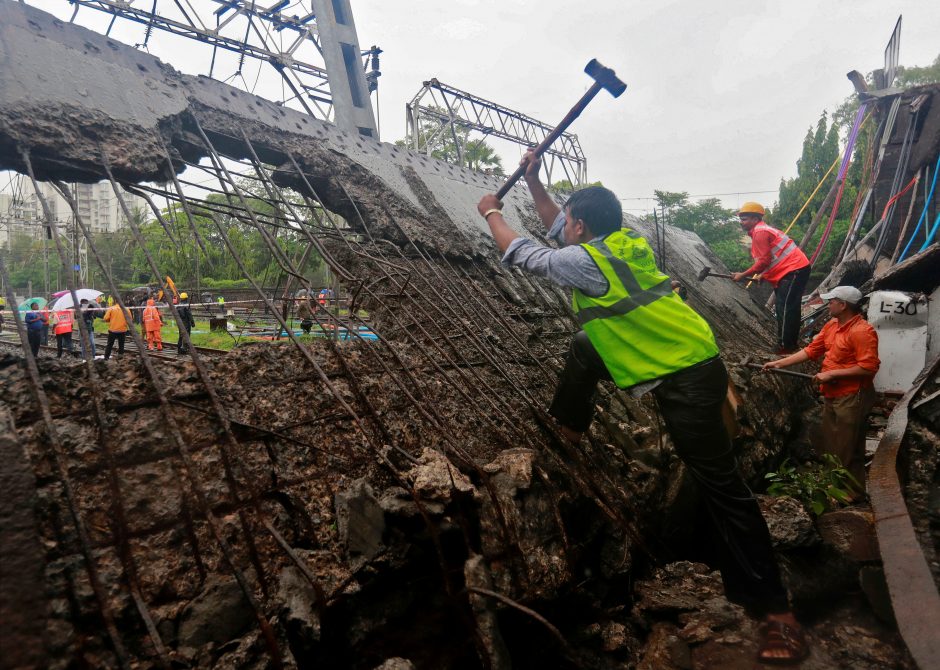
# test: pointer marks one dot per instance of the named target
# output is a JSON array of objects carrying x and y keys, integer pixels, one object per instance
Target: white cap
[{"x": 846, "y": 293}]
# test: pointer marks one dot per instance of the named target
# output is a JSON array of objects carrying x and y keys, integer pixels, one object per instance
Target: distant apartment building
[{"x": 21, "y": 211}]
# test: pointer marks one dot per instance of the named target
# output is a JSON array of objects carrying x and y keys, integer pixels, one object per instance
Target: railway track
[{"x": 169, "y": 349}]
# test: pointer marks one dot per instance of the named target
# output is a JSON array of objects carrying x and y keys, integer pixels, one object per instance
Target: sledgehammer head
[
  {"x": 606, "y": 77},
  {"x": 704, "y": 273}
]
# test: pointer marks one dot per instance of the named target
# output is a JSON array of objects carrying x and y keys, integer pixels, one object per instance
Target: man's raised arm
[{"x": 544, "y": 205}]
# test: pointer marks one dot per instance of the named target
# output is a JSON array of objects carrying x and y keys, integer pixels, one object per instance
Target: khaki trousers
[{"x": 843, "y": 429}]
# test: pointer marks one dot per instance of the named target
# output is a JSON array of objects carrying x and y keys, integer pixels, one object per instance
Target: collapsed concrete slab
[
  {"x": 437, "y": 429},
  {"x": 113, "y": 98}
]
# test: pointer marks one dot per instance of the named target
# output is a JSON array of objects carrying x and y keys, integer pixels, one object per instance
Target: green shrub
[
  {"x": 221, "y": 284},
  {"x": 819, "y": 487}
]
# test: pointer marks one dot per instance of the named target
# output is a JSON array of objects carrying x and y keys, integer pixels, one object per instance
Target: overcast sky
[{"x": 718, "y": 99}]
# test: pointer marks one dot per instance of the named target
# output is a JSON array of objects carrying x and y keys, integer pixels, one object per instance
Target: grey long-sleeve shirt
[{"x": 568, "y": 267}]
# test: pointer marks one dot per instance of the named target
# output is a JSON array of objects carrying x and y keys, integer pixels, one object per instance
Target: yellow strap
[
  {"x": 813, "y": 194},
  {"x": 818, "y": 186}
]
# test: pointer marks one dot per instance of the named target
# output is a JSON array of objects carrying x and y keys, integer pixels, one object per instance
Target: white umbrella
[{"x": 66, "y": 301}]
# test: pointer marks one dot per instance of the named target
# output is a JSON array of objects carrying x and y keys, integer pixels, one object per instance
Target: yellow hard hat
[
  {"x": 751, "y": 208},
  {"x": 184, "y": 295}
]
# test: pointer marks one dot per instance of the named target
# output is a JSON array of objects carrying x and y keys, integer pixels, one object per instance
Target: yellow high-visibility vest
[{"x": 640, "y": 327}]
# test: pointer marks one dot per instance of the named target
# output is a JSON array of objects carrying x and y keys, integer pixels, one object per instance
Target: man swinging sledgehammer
[{"x": 639, "y": 334}]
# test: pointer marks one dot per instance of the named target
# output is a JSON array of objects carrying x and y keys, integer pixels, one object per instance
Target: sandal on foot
[{"x": 778, "y": 636}]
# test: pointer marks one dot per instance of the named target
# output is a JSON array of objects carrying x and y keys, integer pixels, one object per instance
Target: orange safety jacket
[
  {"x": 784, "y": 255},
  {"x": 846, "y": 345},
  {"x": 63, "y": 322},
  {"x": 151, "y": 318},
  {"x": 117, "y": 319}
]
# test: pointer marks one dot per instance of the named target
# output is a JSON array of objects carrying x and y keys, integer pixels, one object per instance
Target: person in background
[
  {"x": 34, "y": 324},
  {"x": 3, "y": 306},
  {"x": 781, "y": 263},
  {"x": 152, "y": 325},
  {"x": 88, "y": 313},
  {"x": 305, "y": 314},
  {"x": 848, "y": 346},
  {"x": 186, "y": 316},
  {"x": 116, "y": 319},
  {"x": 44, "y": 313},
  {"x": 62, "y": 322}
]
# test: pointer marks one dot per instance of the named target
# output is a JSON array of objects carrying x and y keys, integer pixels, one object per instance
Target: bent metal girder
[
  {"x": 440, "y": 110},
  {"x": 256, "y": 33}
]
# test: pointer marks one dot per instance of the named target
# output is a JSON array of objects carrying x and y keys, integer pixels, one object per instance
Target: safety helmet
[
  {"x": 752, "y": 208},
  {"x": 184, "y": 295}
]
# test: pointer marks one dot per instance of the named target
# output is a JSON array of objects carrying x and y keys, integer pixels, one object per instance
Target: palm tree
[{"x": 481, "y": 157}]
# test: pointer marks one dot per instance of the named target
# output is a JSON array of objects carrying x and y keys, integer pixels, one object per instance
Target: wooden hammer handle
[{"x": 552, "y": 136}]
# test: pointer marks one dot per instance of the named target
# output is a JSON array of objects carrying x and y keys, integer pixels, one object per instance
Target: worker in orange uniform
[
  {"x": 117, "y": 319},
  {"x": 850, "y": 347},
  {"x": 781, "y": 263},
  {"x": 62, "y": 321},
  {"x": 152, "y": 325}
]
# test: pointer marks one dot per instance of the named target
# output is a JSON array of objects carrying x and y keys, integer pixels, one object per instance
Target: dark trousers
[
  {"x": 843, "y": 425},
  {"x": 63, "y": 341},
  {"x": 690, "y": 402},
  {"x": 35, "y": 339},
  {"x": 110, "y": 345},
  {"x": 181, "y": 347},
  {"x": 788, "y": 299}
]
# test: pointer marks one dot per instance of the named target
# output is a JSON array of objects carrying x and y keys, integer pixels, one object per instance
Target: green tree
[
  {"x": 116, "y": 251},
  {"x": 565, "y": 186},
  {"x": 820, "y": 148},
  {"x": 24, "y": 260},
  {"x": 443, "y": 141},
  {"x": 918, "y": 76},
  {"x": 718, "y": 227},
  {"x": 481, "y": 157}
]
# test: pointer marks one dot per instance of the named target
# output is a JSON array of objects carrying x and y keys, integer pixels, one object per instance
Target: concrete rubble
[{"x": 404, "y": 503}]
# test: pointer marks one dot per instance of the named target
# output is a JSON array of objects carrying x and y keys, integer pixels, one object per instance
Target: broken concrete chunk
[
  {"x": 436, "y": 478},
  {"x": 517, "y": 463},
  {"x": 614, "y": 636},
  {"x": 218, "y": 614},
  {"x": 677, "y": 587},
  {"x": 665, "y": 650},
  {"x": 299, "y": 603},
  {"x": 396, "y": 501},
  {"x": 360, "y": 520},
  {"x": 789, "y": 523},
  {"x": 396, "y": 664},
  {"x": 851, "y": 532}
]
